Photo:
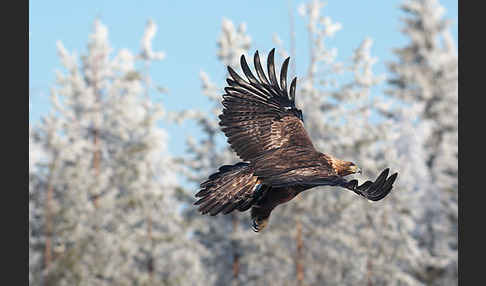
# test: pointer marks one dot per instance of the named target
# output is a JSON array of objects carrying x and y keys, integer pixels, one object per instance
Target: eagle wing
[
  {"x": 295, "y": 165},
  {"x": 373, "y": 191},
  {"x": 259, "y": 114},
  {"x": 303, "y": 166}
]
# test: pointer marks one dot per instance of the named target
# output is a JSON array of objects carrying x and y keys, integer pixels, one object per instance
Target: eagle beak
[{"x": 356, "y": 169}]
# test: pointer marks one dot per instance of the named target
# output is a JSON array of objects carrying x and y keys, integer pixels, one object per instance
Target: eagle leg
[{"x": 258, "y": 224}]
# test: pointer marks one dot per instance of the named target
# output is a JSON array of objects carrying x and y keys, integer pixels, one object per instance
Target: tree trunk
[
  {"x": 150, "y": 263},
  {"x": 369, "y": 268},
  {"x": 96, "y": 140},
  {"x": 236, "y": 255},
  {"x": 48, "y": 214},
  {"x": 48, "y": 231},
  {"x": 299, "y": 267},
  {"x": 96, "y": 163}
]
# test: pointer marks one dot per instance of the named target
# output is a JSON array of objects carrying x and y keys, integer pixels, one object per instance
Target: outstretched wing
[
  {"x": 373, "y": 191},
  {"x": 259, "y": 114},
  {"x": 294, "y": 165},
  {"x": 305, "y": 167}
]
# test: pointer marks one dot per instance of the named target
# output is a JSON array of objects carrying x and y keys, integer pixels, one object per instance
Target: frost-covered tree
[
  {"x": 35, "y": 210},
  {"x": 373, "y": 243},
  {"x": 341, "y": 239},
  {"x": 223, "y": 236},
  {"x": 426, "y": 74},
  {"x": 348, "y": 240},
  {"x": 104, "y": 204}
]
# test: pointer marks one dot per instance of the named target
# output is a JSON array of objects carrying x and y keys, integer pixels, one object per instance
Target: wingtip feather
[
  {"x": 283, "y": 75},
  {"x": 271, "y": 68},
  {"x": 259, "y": 69},
  {"x": 293, "y": 86}
]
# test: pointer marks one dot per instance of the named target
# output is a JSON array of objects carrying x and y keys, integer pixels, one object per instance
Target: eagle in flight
[{"x": 279, "y": 161}]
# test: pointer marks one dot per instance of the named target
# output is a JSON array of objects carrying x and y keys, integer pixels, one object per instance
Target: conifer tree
[
  {"x": 105, "y": 196},
  {"x": 425, "y": 74}
]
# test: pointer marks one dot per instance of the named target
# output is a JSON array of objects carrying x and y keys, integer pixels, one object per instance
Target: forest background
[{"x": 123, "y": 105}]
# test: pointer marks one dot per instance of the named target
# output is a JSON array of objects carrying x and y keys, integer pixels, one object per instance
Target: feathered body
[{"x": 267, "y": 132}]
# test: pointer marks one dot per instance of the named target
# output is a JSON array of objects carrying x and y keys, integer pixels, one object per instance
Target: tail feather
[
  {"x": 232, "y": 179},
  {"x": 232, "y": 187}
]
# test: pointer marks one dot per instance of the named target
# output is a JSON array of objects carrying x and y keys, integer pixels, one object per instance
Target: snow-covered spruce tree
[
  {"x": 107, "y": 193},
  {"x": 223, "y": 236},
  {"x": 348, "y": 241},
  {"x": 345, "y": 240},
  {"x": 36, "y": 239},
  {"x": 426, "y": 74}
]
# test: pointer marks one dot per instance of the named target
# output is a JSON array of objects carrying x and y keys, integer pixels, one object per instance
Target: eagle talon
[
  {"x": 254, "y": 226},
  {"x": 257, "y": 225}
]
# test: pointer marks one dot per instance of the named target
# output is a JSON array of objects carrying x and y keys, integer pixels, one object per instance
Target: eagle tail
[{"x": 232, "y": 187}]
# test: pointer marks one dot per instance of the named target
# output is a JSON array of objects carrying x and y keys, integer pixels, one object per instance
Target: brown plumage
[{"x": 267, "y": 132}]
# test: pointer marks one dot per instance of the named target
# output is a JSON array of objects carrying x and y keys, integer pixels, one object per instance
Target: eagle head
[{"x": 344, "y": 168}]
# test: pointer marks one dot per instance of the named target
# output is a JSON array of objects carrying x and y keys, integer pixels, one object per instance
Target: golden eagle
[{"x": 267, "y": 132}]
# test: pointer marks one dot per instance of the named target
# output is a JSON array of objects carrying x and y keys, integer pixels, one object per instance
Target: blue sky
[{"x": 187, "y": 33}]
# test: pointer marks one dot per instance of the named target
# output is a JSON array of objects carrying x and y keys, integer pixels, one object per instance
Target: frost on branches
[
  {"x": 426, "y": 74},
  {"x": 347, "y": 240},
  {"x": 225, "y": 237},
  {"x": 104, "y": 181},
  {"x": 105, "y": 208},
  {"x": 341, "y": 239}
]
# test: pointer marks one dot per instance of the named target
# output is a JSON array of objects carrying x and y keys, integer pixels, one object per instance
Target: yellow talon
[{"x": 257, "y": 225}]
